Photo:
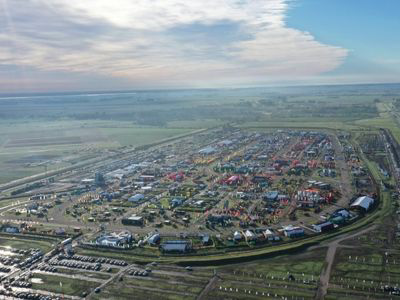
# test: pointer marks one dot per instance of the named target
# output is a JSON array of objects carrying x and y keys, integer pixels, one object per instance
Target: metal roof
[{"x": 364, "y": 202}]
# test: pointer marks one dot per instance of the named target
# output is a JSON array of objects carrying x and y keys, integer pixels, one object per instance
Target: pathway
[{"x": 330, "y": 257}]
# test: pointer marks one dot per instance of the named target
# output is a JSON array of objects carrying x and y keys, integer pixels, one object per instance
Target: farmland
[
  {"x": 53, "y": 145},
  {"x": 98, "y": 123}
]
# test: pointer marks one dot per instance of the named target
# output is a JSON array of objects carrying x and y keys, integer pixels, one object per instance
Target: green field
[
  {"x": 63, "y": 285},
  {"x": 138, "y": 136},
  {"x": 20, "y": 242},
  {"x": 58, "y": 131},
  {"x": 29, "y": 148}
]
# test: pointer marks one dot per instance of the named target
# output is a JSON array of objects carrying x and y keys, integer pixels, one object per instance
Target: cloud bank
[{"x": 158, "y": 43}]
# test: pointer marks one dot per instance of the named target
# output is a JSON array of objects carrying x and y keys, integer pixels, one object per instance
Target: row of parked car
[
  {"x": 21, "y": 284},
  {"x": 139, "y": 273},
  {"x": 90, "y": 259},
  {"x": 25, "y": 295},
  {"x": 9, "y": 261},
  {"x": 28, "y": 262},
  {"x": 47, "y": 269},
  {"x": 5, "y": 270},
  {"x": 76, "y": 265},
  {"x": 24, "y": 251}
]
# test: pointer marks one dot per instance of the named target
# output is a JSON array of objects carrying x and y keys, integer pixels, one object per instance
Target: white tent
[
  {"x": 364, "y": 202},
  {"x": 237, "y": 235},
  {"x": 268, "y": 232},
  {"x": 249, "y": 234},
  {"x": 136, "y": 198}
]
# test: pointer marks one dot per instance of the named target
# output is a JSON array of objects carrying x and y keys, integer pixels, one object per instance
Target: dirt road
[{"x": 330, "y": 257}]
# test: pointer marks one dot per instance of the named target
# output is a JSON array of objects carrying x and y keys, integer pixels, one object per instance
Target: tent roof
[{"x": 364, "y": 202}]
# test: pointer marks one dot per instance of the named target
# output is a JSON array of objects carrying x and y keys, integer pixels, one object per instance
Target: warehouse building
[
  {"x": 133, "y": 220},
  {"x": 177, "y": 246},
  {"x": 323, "y": 227},
  {"x": 363, "y": 203}
]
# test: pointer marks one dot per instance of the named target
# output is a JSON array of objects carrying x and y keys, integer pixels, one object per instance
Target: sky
[{"x": 67, "y": 45}]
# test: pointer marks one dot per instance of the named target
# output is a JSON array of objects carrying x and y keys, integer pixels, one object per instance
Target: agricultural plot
[
  {"x": 52, "y": 145},
  {"x": 42, "y": 142}
]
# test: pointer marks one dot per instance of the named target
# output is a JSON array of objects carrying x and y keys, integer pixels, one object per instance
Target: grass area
[
  {"x": 96, "y": 275},
  {"x": 121, "y": 291},
  {"x": 201, "y": 123},
  {"x": 139, "y": 136},
  {"x": 25, "y": 243},
  {"x": 257, "y": 292},
  {"x": 95, "y": 136},
  {"x": 4, "y": 203},
  {"x": 301, "y": 123},
  {"x": 309, "y": 262},
  {"x": 385, "y": 120},
  {"x": 165, "y": 285},
  {"x": 164, "y": 203},
  {"x": 63, "y": 285}
]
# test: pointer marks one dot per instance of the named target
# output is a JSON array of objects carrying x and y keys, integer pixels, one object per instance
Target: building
[
  {"x": 177, "y": 246},
  {"x": 133, "y": 220},
  {"x": 32, "y": 207},
  {"x": 147, "y": 178},
  {"x": 271, "y": 196},
  {"x": 115, "y": 239},
  {"x": 338, "y": 220},
  {"x": 237, "y": 236},
  {"x": 219, "y": 219},
  {"x": 267, "y": 233},
  {"x": 205, "y": 239},
  {"x": 154, "y": 239},
  {"x": 136, "y": 198},
  {"x": 176, "y": 202},
  {"x": 87, "y": 181},
  {"x": 207, "y": 151},
  {"x": 323, "y": 227},
  {"x": 342, "y": 213},
  {"x": 363, "y": 203},
  {"x": 249, "y": 235},
  {"x": 99, "y": 179},
  {"x": 260, "y": 180},
  {"x": 60, "y": 231},
  {"x": 293, "y": 232},
  {"x": 10, "y": 229}
]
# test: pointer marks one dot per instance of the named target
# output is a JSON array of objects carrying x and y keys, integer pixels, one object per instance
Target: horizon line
[{"x": 12, "y": 95}]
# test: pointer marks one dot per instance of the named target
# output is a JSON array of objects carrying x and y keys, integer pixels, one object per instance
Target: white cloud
[
  {"x": 161, "y": 14},
  {"x": 164, "y": 42}
]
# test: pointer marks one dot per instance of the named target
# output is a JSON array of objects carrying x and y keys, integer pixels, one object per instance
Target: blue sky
[
  {"x": 368, "y": 28},
  {"x": 64, "y": 45}
]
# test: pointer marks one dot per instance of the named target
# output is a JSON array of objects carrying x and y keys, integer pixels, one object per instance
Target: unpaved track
[
  {"x": 329, "y": 259},
  {"x": 208, "y": 288}
]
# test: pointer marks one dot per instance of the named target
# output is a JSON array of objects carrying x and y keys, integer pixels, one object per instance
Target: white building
[
  {"x": 136, "y": 198},
  {"x": 364, "y": 202}
]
